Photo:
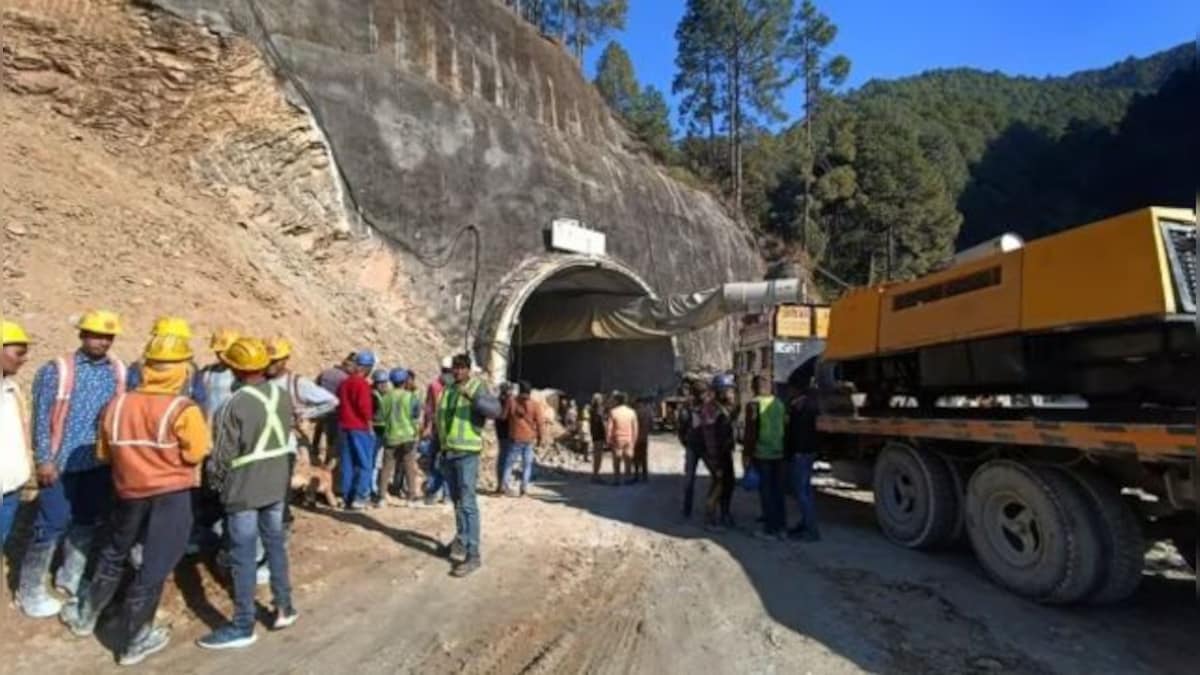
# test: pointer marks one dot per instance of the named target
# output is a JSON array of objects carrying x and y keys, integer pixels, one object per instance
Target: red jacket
[{"x": 355, "y": 405}]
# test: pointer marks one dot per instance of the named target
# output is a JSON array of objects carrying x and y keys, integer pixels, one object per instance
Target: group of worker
[
  {"x": 132, "y": 462},
  {"x": 779, "y": 440},
  {"x": 609, "y": 424}
]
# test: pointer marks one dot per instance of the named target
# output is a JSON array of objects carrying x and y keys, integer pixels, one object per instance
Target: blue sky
[{"x": 887, "y": 39}]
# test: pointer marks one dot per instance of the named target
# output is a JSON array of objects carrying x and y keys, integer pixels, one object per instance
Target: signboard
[
  {"x": 755, "y": 333},
  {"x": 793, "y": 321},
  {"x": 822, "y": 322},
  {"x": 791, "y": 355},
  {"x": 570, "y": 235}
]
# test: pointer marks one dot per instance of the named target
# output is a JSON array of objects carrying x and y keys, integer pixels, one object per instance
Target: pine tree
[
  {"x": 811, "y": 37},
  {"x": 585, "y": 22},
  {"x": 698, "y": 78},
  {"x": 650, "y": 119},
  {"x": 615, "y": 79}
]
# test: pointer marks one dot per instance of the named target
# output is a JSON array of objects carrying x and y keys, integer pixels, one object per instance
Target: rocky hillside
[{"x": 150, "y": 166}]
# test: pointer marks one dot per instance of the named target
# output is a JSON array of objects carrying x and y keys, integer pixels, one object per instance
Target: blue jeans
[
  {"x": 504, "y": 463},
  {"x": 770, "y": 491},
  {"x": 436, "y": 482},
  {"x": 802, "y": 470},
  {"x": 8, "y": 513},
  {"x": 245, "y": 527},
  {"x": 79, "y": 498},
  {"x": 358, "y": 464},
  {"x": 525, "y": 452},
  {"x": 462, "y": 470}
]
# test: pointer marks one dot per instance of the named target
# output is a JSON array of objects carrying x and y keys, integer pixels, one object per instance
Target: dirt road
[{"x": 583, "y": 578}]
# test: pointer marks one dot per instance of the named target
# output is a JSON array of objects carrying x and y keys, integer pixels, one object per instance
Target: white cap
[{"x": 446, "y": 362}]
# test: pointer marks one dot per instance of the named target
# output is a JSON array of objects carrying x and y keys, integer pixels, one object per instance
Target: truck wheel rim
[{"x": 1012, "y": 529}]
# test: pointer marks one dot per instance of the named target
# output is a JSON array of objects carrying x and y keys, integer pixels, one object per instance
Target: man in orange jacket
[{"x": 154, "y": 439}]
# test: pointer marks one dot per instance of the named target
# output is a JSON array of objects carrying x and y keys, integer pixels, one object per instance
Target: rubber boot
[
  {"x": 77, "y": 546},
  {"x": 32, "y": 596}
]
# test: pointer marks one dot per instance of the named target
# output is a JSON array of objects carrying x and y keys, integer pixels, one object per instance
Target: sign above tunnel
[{"x": 570, "y": 235}]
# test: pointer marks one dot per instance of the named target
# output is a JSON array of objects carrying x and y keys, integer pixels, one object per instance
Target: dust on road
[{"x": 583, "y": 578}]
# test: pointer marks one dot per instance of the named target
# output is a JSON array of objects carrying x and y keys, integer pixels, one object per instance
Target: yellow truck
[{"x": 1038, "y": 398}]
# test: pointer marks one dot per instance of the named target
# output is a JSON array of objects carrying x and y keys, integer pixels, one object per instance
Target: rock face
[{"x": 441, "y": 113}]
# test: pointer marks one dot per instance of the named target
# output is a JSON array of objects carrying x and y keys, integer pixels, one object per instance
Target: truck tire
[
  {"x": 916, "y": 503},
  {"x": 1031, "y": 530},
  {"x": 1121, "y": 538}
]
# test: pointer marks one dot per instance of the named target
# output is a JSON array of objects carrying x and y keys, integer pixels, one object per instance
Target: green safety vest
[
  {"x": 456, "y": 432},
  {"x": 380, "y": 418},
  {"x": 399, "y": 427},
  {"x": 273, "y": 441},
  {"x": 770, "y": 428}
]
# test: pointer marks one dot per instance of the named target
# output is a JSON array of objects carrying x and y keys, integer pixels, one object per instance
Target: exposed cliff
[{"x": 447, "y": 112}]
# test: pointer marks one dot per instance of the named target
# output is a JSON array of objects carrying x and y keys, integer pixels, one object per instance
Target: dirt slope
[{"x": 149, "y": 167}]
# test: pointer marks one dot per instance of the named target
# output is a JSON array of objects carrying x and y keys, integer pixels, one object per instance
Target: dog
[{"x": 312, "y": 479}]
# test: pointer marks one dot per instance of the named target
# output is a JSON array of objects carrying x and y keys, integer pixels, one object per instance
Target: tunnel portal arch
[{"x": 527, "y": 292}]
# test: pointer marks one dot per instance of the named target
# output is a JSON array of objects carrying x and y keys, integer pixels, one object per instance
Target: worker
[
  {"x": 621, "y": 433},
  {"x": 725, "y": 388},
  {"x": 14, "y": 441},
  {"x": 435, "y": 486},
  {"x": 401, "y": 411},
  {"x": 193, "y": 384},
  {"x": 331, "y": 380},
  {"x": 687, "y": 428},
  {"x": 463, "y": 409},
  {"x": 525, "y": 423},
  {"x": 249, "y": 467},
  {"x": 309, "y": 400},
  {"x": 504, "y": 439},
  {"x": 355, "y": 414},
  {"x": 800, "y": 445},
  {"x": 713, "y": 436},
  {"x": 766, "y": 420},
  {"x": 217, "y": 378},
  {"x": 641, "y": 448},
  {"x": 381, "y": 384},
  {"x": 597, "y": 428},
  {"x": 75, "y": 489},
  {"x": 155, "y": 439}
]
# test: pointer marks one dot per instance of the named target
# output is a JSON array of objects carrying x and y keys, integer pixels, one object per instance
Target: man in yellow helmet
[
  {"x": 309, "y": 401},
  {"x": 155, "y": 440},
  {"x": 193, "y": 384},
  {"x": 14, "y": 445},
  {"x": 249, "y": 468},
  {"x": 76, "y": 490},
  {"x": 216, "y": 377}
]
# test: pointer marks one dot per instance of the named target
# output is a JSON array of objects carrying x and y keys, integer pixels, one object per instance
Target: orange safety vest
[
  {"x": 62, "y": 397},
  {"x": 143, "y": 448}
]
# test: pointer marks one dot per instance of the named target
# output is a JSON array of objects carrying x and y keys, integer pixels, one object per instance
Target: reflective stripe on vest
[
  {"x": 273, "y": 429},
  {"x": 164, "y": 439},
  {"x": 456, "y": 430},
  {"x": 62, "y": 396}
]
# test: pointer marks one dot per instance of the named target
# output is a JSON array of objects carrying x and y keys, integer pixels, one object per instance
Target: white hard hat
[{"x": 446, "y": 362}]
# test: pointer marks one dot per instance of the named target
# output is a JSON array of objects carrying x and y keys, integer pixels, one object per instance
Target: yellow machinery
[{"x": 1104, "y": 310}]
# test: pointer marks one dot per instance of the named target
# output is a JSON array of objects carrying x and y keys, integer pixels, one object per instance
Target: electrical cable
[{"x": 280, "y": 66}]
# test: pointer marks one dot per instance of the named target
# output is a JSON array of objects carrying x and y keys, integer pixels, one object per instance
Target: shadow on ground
[{"x": 929, "y": 611}]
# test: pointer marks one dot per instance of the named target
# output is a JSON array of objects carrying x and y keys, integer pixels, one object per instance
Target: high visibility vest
[
  {"x": 144, "y": 450},
  {"x": 62, "y": 396},
  {"x": 456, "y": 432},
  {"x": 770, "y": 428},
  {"x": 398, "y": 421},
  {"x": 273, "y": 441}
]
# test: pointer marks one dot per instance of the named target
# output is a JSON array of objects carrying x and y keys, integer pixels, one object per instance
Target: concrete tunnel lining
[{"x": 638, "y": 366}]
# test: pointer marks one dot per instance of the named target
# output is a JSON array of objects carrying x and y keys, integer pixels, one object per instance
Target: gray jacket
[{"x": 239, "y": 425}]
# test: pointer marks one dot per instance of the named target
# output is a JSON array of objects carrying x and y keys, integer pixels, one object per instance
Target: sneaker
[
  {"x": 466, "y": 567},
  {"x": 356, "y": 506},
  {"x": 284, "y": 618},
  {"x": 73, "y": 618},
  {"x": 228, "y": 637},
  {"x": 154, "y": 641}
]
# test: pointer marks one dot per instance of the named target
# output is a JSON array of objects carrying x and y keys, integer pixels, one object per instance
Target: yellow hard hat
[
  {"x": 167, "y": 349},
  {"x": 12, "y": 334},
  {"x": 100, "y": 322},
  {"x": 279, "y": 348},
  {"x": 246, "y": 354},
  {"x": 223, "y": 339},
  {"x": 172, "y": 325}
]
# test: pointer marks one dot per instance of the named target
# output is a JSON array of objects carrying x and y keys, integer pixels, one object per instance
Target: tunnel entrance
[{"x": 541, "y": 330}]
